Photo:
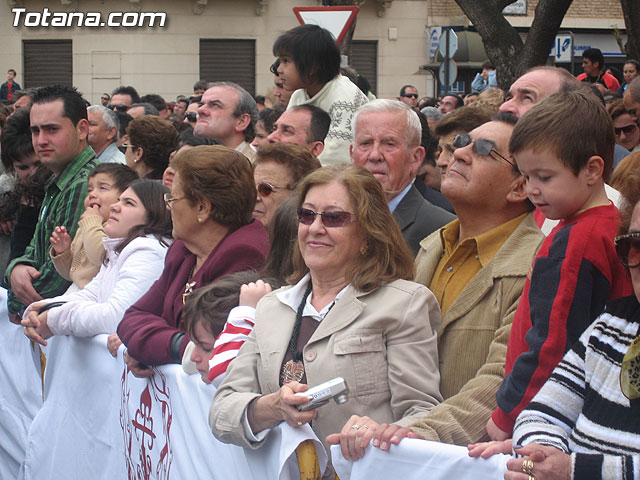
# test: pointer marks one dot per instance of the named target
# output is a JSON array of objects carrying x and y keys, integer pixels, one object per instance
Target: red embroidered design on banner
[{"x": 145, "y": 418}]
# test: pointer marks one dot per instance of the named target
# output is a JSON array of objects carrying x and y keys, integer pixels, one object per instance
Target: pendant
[
  {"x": 292, "y": 371},
  {"x": 630, "y": 371}
]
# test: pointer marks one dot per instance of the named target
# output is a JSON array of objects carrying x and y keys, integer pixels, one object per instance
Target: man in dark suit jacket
[{"x": 386, "y": 141}]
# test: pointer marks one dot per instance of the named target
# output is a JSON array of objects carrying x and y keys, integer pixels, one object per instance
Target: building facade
[{"x": 232, "y": 40}]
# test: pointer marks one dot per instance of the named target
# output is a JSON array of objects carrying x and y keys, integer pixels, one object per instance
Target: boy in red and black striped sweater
[{"x": 564, "y": 148}]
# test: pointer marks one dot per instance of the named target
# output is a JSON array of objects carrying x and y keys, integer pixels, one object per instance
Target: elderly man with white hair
[
  {"x": 103, "y": 132},
  {"x": 386, "y": 141}
]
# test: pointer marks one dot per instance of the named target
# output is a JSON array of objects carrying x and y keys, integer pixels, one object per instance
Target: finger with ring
[
  {"x": 527, "y": 466},
  {"x": 531, "y": 477},
  {"x": 355, "y": 427}
]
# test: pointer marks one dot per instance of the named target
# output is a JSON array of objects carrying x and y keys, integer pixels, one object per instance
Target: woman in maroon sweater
[{"x": 211, "y": 202}]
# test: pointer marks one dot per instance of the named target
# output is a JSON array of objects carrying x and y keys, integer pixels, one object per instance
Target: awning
[{"x": 470, "y": 52}]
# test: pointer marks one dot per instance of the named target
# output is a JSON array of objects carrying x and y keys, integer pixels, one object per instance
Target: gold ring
[
  {"x": 299, "y": 424},
  {"x": 527, "y": 467},
  {"x": 355, "y": 427},
  {"x": 531, "y": 477}
]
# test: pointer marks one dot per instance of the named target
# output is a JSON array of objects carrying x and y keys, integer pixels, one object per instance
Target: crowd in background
[{"x": 467, "y": 264}]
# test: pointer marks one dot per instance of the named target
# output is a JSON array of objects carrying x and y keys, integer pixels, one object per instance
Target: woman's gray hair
[
  {"x": 109, "y": 117},
  {"x": 413, "y": 131}
]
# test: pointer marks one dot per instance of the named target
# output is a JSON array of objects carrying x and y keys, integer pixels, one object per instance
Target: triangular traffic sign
[{"x": 335, "y": 19}]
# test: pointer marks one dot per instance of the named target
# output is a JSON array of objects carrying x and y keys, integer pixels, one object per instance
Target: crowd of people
[{"x": 461, "y": 263}]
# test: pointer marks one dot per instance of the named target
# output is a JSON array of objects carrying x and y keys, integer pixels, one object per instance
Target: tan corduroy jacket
[
  {"x": 472, "y": 342},
  {"x": 83, "y": 260}
]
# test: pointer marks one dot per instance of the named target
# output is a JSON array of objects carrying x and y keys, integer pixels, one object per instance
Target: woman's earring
[
  {"x": 200, "y": 220},
  {"x": 363, "y": 250}
]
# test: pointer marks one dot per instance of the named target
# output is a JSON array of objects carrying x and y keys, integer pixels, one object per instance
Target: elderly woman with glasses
[
  {"x": 150, "y": 142},
  {"x": 351, "y": 311},
  {"x": 211, "y": 200},
  {"x": 277, "y": 170},
  {"x": 585, "y": 421}
]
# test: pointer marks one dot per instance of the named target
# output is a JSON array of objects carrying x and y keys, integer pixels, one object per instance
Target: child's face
[
  {"x": 551, "y": 185},
  {"x": 26, "y": 166},
  {"x": 126, "y": 213},
  {"x": 203, "y": 350},
  {"x": 101, "y": 193},
  {"x": 289, "y": 75}
]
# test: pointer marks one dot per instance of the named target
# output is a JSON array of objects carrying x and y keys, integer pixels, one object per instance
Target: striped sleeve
[{"x": 236, "y": 330}]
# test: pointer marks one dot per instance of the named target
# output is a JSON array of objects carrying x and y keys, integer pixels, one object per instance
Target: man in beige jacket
[{"x": 476, "y": 266}]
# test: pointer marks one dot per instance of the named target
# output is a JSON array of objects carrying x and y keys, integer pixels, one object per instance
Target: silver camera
[{"x": 321, "y": 394}]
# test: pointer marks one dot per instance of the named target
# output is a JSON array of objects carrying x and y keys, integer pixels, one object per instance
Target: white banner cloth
[
  {"x": 98, "y": 421},
  {"x": 20, "y": 391},
  {"x": 416, "y": 459}
]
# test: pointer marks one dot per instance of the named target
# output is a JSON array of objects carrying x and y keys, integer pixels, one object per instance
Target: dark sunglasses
[
  {"x": 191, "y": 116},
  {"x": 105, "y": 98},
  {"x": 118, "y": 108},
  {"x": 335, "y": 218},
  {"x": 627, "y": 130},
  {"x": 265, "y": 189},
  {"x": 410, "y": 95},
  {"x": 628, "y": 249},
  {"x": 480, "y": 146}
]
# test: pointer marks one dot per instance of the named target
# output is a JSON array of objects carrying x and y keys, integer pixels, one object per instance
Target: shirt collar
[
  {"x": 293, "y": 296},
  {"x": 395, "y": 201},
  {"x": 487, "y": 244},
  {"x": 70, "y": 172}
]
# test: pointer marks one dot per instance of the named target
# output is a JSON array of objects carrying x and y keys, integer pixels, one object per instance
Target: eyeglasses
[
  {"x": 124, "y": 146},
  {"x": 628, "y": 249},
  {"x": 481, "y": 147},
  {"x": 335, "y": 218},
  {"x": 168, "y": 200},
  {"x": 265, "y": 189},
  {"x": 627, "y": 130},
  {"x": 118, "y": 108},
  {"x": 106, "y": 99},
  {"x": 410, "y": 95},
  {"x": 191, "y": 116}
]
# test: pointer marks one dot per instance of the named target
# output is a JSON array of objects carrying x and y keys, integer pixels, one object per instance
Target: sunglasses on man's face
[
  {"x": 628, "y": 129},
  {"x": 191, "y": 116},
  {"x": 628, "y": 249},
  {"x": 335, "y": 218},
  {"x": 118, "y": 108},
  {"x": 481, "y": 147},
  {"x": 106, "y": 99},
  {"x": 410, "y": 95}
]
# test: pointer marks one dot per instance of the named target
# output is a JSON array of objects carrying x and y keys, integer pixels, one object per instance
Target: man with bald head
[{"x": 533, "y": 86}]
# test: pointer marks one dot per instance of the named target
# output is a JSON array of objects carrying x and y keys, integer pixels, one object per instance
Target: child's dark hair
[
  {"x": 314, "y": 51},
  {"x": 554, "y": 124},
  {"x": 151, "y": 195},
  {"x": 121, "y": 175},
  {"x": 210, "y": 305},
  {"x": 16, "y": 139}
]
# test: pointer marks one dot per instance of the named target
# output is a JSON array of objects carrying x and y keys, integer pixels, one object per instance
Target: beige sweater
[
  {"x": 472, "y": 342},
  {"x": 83, "y": 260}
]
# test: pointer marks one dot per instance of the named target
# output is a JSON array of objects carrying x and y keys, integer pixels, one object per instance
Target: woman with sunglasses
[
  {"x": 150, "y": 142},
  {"x": 585, "y": 421},
  {"x": 351, "y": 311},
  {"x": 625, "y": 127},
  {"x": 211, "y": 200},
  {"x": 277, "y": 170}
]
